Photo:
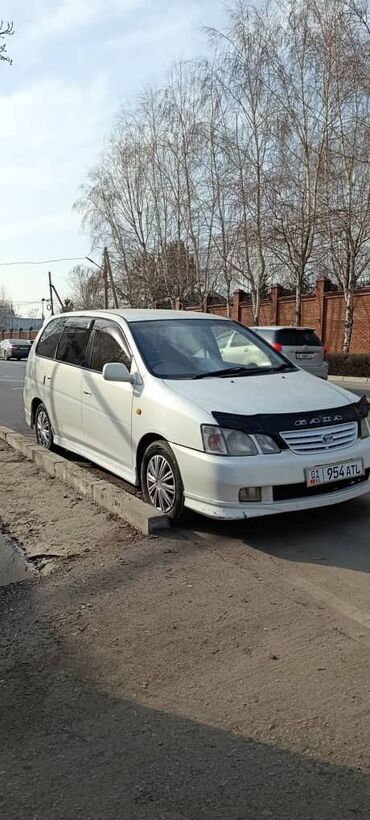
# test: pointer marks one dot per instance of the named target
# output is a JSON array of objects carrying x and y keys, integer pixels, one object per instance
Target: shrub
[{"x": 349, "y": 364}]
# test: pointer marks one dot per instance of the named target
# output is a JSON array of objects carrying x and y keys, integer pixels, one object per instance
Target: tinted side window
[
  {"x": 48, "y": 342},
  {"x": 108, "y": 346},
  {"x": 73, "y": 344},
  {"x": 295, "y": 337}
]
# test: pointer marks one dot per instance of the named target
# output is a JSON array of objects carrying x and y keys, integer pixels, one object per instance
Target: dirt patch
[
  {"x": 50, "y": 521},
  {"x": 183, "y": 678}
]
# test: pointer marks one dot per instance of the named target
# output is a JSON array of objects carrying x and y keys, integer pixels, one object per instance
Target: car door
[
  {"x": 64, "y": 383},
  {"x": 107, "y": 406},
  {"x": 40, "y": 367}
]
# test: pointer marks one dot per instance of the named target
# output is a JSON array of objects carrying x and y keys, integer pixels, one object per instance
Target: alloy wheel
[
  {"x": 161, "y": 483},
  {"x": 43, "y": 429}
]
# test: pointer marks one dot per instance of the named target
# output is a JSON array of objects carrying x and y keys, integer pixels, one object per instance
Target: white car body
[{"x": 109, "y": 423}]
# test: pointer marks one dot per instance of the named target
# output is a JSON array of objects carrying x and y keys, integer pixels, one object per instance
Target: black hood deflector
[{"x": 272, "y": 424}]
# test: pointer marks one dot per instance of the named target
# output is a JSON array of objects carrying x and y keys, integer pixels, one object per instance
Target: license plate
[
  {"x": 334, "y": 472},
  {"x": 304, "y": 355}
]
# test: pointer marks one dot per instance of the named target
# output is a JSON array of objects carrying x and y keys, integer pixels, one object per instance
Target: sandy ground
[{"x": 197, "y": 676}]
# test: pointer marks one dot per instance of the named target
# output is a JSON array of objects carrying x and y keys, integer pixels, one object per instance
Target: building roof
[{"x": 24, "y": 323}]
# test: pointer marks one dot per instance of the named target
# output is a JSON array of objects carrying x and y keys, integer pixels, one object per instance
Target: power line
[{"x": 45, "y": 261}]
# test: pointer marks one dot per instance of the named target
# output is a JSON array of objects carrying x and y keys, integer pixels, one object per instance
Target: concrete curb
[
  {"x": 351, "y": 379},
  {"x": 114, "y": 500}
]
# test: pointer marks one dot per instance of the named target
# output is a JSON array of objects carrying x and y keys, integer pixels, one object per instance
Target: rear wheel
[
  {"x": 44, "y": 433},
  {"x": 161, "y": 482}
]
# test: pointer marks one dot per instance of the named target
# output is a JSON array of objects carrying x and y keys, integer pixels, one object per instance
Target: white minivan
[{"x": 158, "y": 398}]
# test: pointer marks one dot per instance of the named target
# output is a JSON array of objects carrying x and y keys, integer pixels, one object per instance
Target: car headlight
[
  {"x": 224, "y": 442},
  {"x": 365, "y": 427},
  {"x": 266, "y": 444}
]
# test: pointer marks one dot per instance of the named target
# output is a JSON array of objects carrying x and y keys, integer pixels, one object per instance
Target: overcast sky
[{"x": 74, "y": 63}]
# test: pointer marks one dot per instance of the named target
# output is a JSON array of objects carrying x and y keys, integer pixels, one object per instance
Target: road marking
[
  {"x": 16, "y": 388},
  {"x": 342, "y": 607}
]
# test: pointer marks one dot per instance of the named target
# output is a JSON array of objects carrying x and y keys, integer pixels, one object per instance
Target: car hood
[{"x": 271, "y": 393}]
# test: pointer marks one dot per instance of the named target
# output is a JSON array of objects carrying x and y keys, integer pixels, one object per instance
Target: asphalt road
[{"x": 11, "y": 401}]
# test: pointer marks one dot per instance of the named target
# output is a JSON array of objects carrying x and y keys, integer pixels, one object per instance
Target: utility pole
[
  {"x": 108, "y": 268},
  {"x": 51, "y": 295},
  {"x": 105, "y": 279},
  {"x": 58, "y": 297}
]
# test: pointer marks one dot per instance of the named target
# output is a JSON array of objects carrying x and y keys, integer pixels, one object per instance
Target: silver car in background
[{"x": 299, "y": 344}]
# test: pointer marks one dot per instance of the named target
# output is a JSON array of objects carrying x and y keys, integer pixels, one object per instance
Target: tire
[
  {"x": 159, "y": 461},
  {"x": 44, "y": 433}
]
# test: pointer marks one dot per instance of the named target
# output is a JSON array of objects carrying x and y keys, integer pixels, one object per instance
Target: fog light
[{"x": 250, "y": 494}]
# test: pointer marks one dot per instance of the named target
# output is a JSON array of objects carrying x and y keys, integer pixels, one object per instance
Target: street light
[{"x": 93, "y": 263}]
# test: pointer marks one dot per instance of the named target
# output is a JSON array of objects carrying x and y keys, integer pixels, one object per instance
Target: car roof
[{"x": 144, "y": 315}]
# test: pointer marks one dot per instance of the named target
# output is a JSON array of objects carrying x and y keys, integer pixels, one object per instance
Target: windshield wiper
[
  {"x": 284, "y": 366},
  {"x": 233, "y": 371}
]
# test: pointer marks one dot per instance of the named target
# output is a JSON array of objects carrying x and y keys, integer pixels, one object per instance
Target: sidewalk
[{"x": 350, "y": 379}]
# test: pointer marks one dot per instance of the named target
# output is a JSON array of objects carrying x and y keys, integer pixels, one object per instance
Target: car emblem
[{"x": 327, "y": 438}]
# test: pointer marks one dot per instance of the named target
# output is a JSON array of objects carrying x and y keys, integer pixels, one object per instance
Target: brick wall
[
  {"x": 18, "y": 334},
  {"x": 324, "y": 310}
]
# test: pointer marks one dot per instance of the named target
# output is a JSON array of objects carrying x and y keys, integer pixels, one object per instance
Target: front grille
[
  {"x": 289, "y": 492},
  {"x": 321, "y": 440}
]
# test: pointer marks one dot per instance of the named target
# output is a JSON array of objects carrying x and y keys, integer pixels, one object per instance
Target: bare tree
[
  {"x": 86, "y": 287},
  {"x": 242, "y": 72},
  {"x": 6, "y": 30},
  {"x": 300, "y": 133},
  {"x": 7, "y": 311},
  {"x": 345, "y": 55},
  {"x": 251, "y": 165}
]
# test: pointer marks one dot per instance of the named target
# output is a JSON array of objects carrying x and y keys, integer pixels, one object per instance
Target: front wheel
[
  {"x": 44, "y": 433},
  {"x": 161, "y": 482}
]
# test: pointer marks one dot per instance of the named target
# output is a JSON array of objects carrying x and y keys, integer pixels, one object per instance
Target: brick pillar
[
  {"x": 323, "y": 284},
  {"x": 276, "y": 292},
  {"x": 235, "y": 306}
]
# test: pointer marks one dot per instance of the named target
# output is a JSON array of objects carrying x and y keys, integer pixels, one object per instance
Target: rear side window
[
  {"x": 108, "y": 345},
  {"x": 49, "y": 339},
  {"x": 265, "y": 333},
  {"x": 295, "y": 337},
  {"x": 73, "y": 343}
]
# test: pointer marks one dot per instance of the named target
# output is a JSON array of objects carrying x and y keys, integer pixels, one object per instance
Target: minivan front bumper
[{"x": 212, "y": 483}]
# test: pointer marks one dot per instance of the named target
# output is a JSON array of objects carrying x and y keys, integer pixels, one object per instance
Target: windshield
[
  {"x": 199, "y": 348},
  {"x": 19, "y": 343}
]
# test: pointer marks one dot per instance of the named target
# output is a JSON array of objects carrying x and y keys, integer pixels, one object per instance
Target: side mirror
[{"x": 117, "y": 372}]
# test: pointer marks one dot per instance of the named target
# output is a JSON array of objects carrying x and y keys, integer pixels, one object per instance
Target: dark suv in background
[{"x": 299, "y": 344}]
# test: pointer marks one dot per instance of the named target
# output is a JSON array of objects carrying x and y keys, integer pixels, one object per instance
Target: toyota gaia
[{"x": 198, "y": 410}]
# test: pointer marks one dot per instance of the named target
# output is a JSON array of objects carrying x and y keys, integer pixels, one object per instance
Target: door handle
[{"x": 86, "y": 393}]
